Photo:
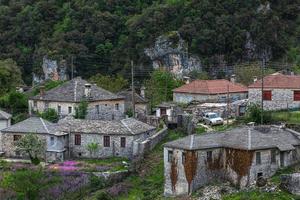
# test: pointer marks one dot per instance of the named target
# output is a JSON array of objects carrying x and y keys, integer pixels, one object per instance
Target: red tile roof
[
  {"x": 279, "y": 81},
  {"x": 211, "y": 87}
]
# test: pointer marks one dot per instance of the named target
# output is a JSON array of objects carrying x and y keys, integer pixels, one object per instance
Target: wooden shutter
[
  {"x": 267, "y": 95},
  {"x": 123, "y": 142},
  {"x": 77, "y": 139},
  {"x": 106, "y": 141},
  {"x": 296, "y": 95}
]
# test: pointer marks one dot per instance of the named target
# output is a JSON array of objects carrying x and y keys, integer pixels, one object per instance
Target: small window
[
  {"x": 267, "y": 95},
  {"x": 273, "y": 156},
  {"x": 260, "y": 175},
  {"x": 209, "y": 156},
  {"x": 59, "y": 109},
  {"x": 123, "y": 142},
  {"x": 77, "y": 139},
  {"x": 294, "y": 155},
  {"x": 17, "y": 137},
  {"x": 170, "y": 156},
  {"x": 35, "y": 104},
  {"x": 116, "y": 106},
  {"x": 183, "y": 158},
  {"x": 106, "y": 141},
  {"x": 79, "y": 154},
  {"x": 51, "y": 141},
  {"x": 296, "y": 95},
  {"x": 70, "y": 109},
  {"x": 258, "y": 158},
  {"x": 46, "y": 105},
  {"x": 97, "y": 109}
]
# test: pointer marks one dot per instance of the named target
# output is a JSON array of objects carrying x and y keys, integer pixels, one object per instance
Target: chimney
[
  {"x": 232, "y": 78},
  {"x": 143, "y": 91},
  {"x": 42, "y": 90},
  {"x": 254, "y": 79},
  {"x": 87, "y": 90},
  {"x": 186, "y": 79}
]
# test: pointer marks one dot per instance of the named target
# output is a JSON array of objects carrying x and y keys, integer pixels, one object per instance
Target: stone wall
[
  {"x": 203, "y": 98},
  {"x": 281, "y": 99}
]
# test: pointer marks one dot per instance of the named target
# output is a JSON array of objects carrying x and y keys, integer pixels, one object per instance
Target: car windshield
[{"x": 211, "y": 116}]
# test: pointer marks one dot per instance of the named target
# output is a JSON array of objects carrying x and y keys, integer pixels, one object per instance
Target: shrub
[
  {"x": 253, "y": 114},
  {"x": 50, "y": 115}
]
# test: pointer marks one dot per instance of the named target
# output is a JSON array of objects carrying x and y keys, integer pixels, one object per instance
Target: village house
[
  {"x": 141, "y": 104},
  {"x": 210, "y": 91},
  {"x": 5, "y": 120},
  {"x": 65, "y": 98},
  {"x": 70, "y": 137},
  {"x": 241, "y": 155},
  {"x": 168, "y": 110},
  {"x": 280, "y": 92}
]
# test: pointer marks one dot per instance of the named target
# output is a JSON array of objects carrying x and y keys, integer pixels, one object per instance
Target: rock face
[
  {"x": 291, "y": 183},
  {"x": 170, "y": 52},
  {"x": 54, "y": 71}
]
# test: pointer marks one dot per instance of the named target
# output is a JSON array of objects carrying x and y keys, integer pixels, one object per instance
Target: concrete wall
[
  {"x": 187, "y": 98},
  {"x": 281, "y": 99}
]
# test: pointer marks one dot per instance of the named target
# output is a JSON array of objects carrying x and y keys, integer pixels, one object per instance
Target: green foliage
[
  {"x": 159, "y": 87},
  {"x": 199, "y": 75},
  {"x": 110, "y": 83},
  {"x": 129, "y": 113},
  {"x": 92, "y": 148},
  {"x": 33, "y": 146},
  {"x": 81, "y": 110},
  {"x": 253, "y": 114},
  {"x": 50, "y": 115},
  {"x": 258, "y": 195},
  {"x": 48, "y": 86},
  {"x": 10, "y": 76}
]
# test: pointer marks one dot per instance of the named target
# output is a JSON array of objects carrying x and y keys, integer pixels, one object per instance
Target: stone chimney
[
  {"x": 186, "y": 79},
  {"x": 143, "y": 88},
  {"x": 87, "y": 90},
  {"x": 254, "y": 79},
  {"x": 232, "y": 78},
  {"x": 42, "y": 90}
]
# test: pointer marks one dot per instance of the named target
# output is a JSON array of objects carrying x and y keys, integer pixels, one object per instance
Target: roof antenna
[{"x": 192, "y": 141}]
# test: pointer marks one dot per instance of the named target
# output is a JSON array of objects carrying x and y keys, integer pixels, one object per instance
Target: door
[
  {"x": 163, "y": 111},
  {"x": 281, "y": 159}
]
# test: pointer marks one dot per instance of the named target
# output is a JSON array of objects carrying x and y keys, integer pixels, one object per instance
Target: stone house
[
  {"x": 65, "y": 98},
  {"x": 210, "y": 91},
  {"x": 70, "y": 137},
  {"x": 241, "y": 156},
  {"x": 280, "y": 92},
  {"x": 55, "y": 140},
  {"x": 169, "y": 110},
  {"x": 5, "y": 120},
  {"x": 141, "y": 104}
]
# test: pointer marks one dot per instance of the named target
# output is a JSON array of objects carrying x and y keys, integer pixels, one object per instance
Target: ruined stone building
[
  {"x": 70, "y": 137},
  {"x": 210, "y": 91},
  {"x": 241, "y": 156},
  {"x": 65, "y": 98},
  {"x": 279, "y": 92}
]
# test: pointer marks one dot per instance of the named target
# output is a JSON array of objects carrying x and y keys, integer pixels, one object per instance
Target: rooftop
[
  {"x": 278, "y": 80},
  {"x": 128, "y": 96},
  {"x": 73, "y": 91},
  {"x": 247, "y": 138},
  {"x": 4, "y": 115},
  {"x": 220, "y": 86}
]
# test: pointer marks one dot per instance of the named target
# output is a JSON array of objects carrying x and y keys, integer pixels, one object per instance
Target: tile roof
[
  {"x": 127, "y": 94},
  {"x": 34, "y": 125},
  {"x": 4, "y": 115},
  {"x": 211, "y": 87},
  {"x": 241, "y": 138},
  {"x": 128, "y": 126},
  {"x": 73, "y": 91},
  {"x": 279, "y": 81}
]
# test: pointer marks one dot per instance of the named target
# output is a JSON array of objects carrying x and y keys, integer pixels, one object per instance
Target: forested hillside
[{"x": 103, "y": 36}]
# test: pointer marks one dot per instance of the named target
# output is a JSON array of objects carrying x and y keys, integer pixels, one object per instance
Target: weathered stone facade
[{"x": 281, "y": 99}]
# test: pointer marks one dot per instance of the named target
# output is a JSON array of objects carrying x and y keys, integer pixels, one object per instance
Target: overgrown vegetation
[
  {"x": 110, "y": 83},
  {"x": 81, "y": 110},
  {"x": 50, "y": 115}
]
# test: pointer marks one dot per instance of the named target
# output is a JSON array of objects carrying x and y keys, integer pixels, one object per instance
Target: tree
[
  {"x": 110, "y": 83},
  {"x": 10, "y": 76},
  {"x": 92, "y": 148},
  {"x": 33, "y": 146},
  {"x": 159, "y": 87},
  {"x": 15, "y": 102},
  {"x": 81, "y": 110},
  {"x": 50, "y": 115}
]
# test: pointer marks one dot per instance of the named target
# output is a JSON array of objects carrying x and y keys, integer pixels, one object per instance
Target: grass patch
[
  {"x": 200, "y": 130},
  {"x": 106, "y": 161},
  {"x": 286, "y": 116},
  {"x": 259, "y": 195}
]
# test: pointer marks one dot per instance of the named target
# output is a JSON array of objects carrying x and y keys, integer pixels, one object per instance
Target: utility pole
[
  {"x": 132, "y": 88},
  {"x": 72, "y": 67},
  {"x": 227, "y": 104},
  {"x": 262, "y": 89}
]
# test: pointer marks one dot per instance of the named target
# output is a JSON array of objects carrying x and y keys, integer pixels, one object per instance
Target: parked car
[{"x": 212, "y": 118}]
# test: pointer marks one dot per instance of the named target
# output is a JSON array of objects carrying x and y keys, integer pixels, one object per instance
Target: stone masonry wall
[{"x": 281, "y": 99}]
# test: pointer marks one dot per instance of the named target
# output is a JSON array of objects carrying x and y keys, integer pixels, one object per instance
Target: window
[
  {"x": 296, "y": 95},
  {"x": 163, "y": 111},
  {"x": 77, "y": 139},
  {"x": 273, "y": 156},
  {"x": 170, "y": 156},
  {"x": 116, "y": 106},
  {"x": 258, "y": 158},
  {"x": 267, "y": 95},
  {"x": 183, "y": 158},
  {"x": 97, "y": 109},
  {"x": 106, "y": 141},
  {"x": 59, "y": 109},
  {"x": 209, "y": 156},
  {"x": 123, "y": 142},
  {"x": 35, "y": 104},
  {"x": 294, "y": 155},
  {"x": 17, "y": 137},
  {"x": 46, "y": 105},
  {"x": 260, "y": 175},
  {"x": 51, "y": 141},
  {"x": 70, "y": 109}
]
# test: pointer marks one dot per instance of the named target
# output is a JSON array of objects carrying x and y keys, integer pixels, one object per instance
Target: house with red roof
[
  {"x": 280, "y": 92},
  {"x": 210, "y": 91}
]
